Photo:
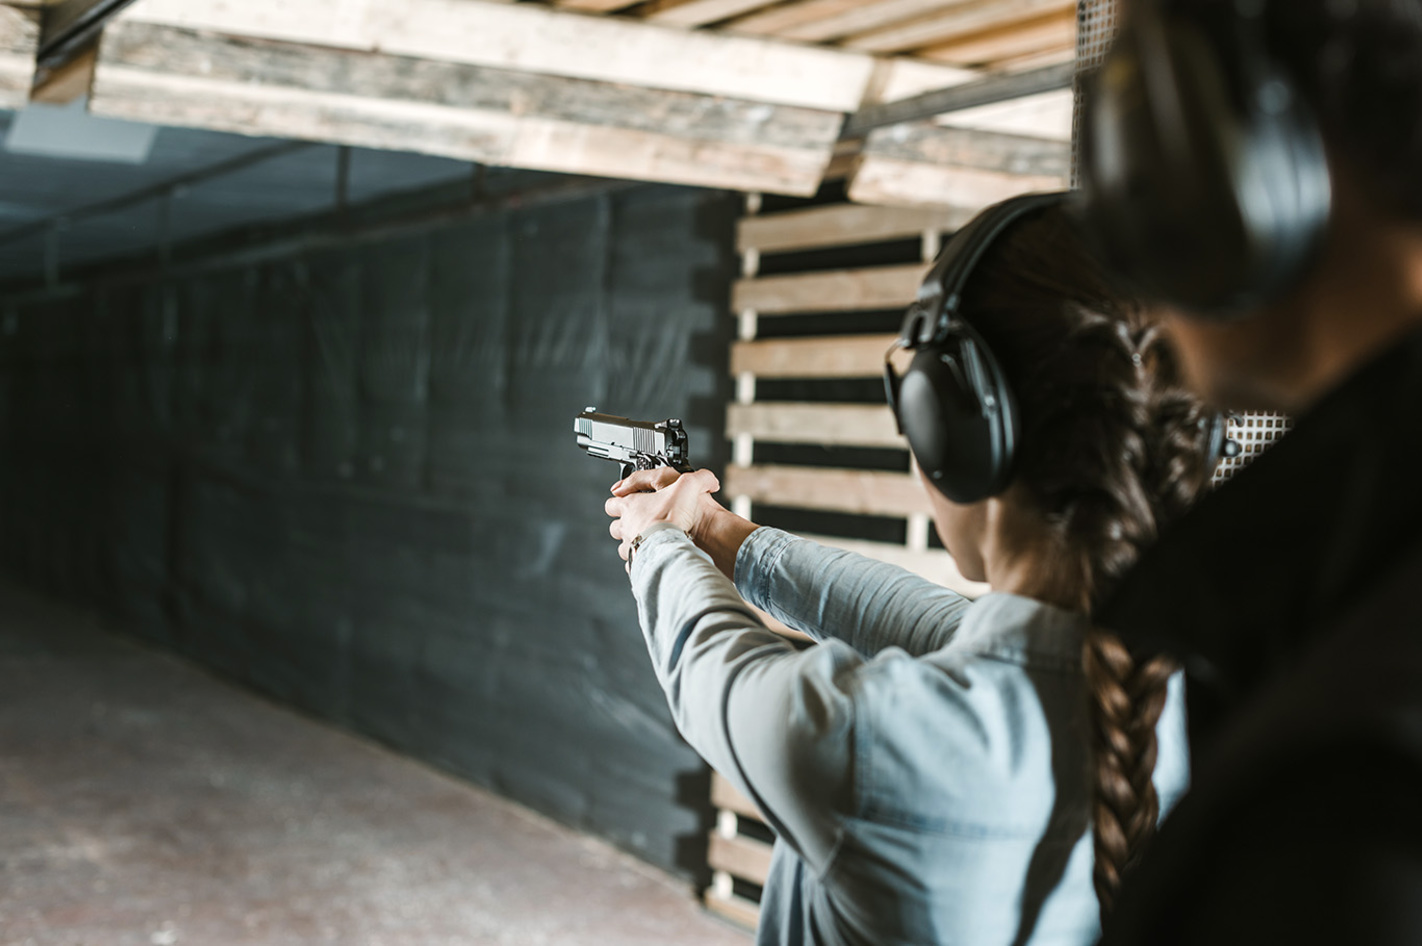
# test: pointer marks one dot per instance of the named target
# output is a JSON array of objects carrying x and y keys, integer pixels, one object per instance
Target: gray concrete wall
[{"x": 348, "y": 479}]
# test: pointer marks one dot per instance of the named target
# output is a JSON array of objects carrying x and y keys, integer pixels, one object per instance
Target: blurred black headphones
[
  {"x": 1203, "y": 171},
  {"x": 954, "y": 404}
]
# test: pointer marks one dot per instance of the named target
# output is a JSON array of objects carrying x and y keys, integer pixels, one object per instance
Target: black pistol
[{"x": 636, "y": 444}]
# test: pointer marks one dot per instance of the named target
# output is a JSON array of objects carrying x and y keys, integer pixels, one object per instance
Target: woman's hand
[{"x": 661, "y": 495}]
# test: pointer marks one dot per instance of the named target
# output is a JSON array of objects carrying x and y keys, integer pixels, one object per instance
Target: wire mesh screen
[
  {"x": 1096, "y": 22},
  {"x": 1095, "y": 28},
  {"x": 1254, "y": 433}
]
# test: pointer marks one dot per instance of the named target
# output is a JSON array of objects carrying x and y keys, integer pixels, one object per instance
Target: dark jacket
[{"x": 1293, "y": 596}]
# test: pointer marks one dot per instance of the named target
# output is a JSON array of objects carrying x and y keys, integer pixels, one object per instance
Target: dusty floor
[{"x": 143, "y": 802}]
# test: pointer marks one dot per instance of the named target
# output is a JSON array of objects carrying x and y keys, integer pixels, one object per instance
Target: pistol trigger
[{"x": 628, "y": 469}]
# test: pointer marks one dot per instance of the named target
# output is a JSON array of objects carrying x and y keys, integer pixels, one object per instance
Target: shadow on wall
[{"x": 348, "y": 479}]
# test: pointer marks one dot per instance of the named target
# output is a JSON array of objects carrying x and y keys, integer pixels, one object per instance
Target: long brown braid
[{"x": 1113, "y": 449}]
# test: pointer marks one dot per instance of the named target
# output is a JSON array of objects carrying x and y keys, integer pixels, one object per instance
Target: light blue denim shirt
[{"x": 925, "y": 766}]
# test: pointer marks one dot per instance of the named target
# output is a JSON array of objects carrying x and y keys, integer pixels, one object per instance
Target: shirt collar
[{"x": 1014, "y": 625}]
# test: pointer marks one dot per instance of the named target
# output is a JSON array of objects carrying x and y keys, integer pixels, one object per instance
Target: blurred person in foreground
[
  {"x": 1256, "y": 165},
  {"x": 934, "y": 767}
]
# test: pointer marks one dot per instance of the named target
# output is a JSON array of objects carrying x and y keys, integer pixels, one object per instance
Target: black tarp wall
[{"x": 348, "y": 478}]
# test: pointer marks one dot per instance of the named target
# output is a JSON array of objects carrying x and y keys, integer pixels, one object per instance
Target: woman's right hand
[
  {"x": 664, "y": 495},
  {"x": 684, "y": 500}
]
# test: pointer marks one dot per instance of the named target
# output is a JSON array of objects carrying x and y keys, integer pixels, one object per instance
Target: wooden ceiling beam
[
  {"x": 538, "y": 39},
  {"x": 864, "y": 17},
  {"x": 926, "y": 164},
  {"x": 166, "y": 75},
  {"x": 693, "y": 13},
  {"x": 1054, "y": 32},
  {"x": 19, "y": 51},
  {"x": 950, "y": 24}
]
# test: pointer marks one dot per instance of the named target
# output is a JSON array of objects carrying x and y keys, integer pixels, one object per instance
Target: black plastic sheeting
[{"x": 350, "y": 480}]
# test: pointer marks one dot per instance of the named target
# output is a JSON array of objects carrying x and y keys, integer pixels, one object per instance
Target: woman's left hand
[{"x": 648, "y": 497}]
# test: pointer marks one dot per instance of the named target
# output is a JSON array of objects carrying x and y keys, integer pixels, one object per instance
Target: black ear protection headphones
[
  {"x": 954, "y": 404},
  {"x": 1203, "y": 171}
]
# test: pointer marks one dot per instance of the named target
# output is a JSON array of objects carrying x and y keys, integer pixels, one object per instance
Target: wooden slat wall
[
  {"x": 758, "y": 298},
  {"x": 739, "y": 858}
]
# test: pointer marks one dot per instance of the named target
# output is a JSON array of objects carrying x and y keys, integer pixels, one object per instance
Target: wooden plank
[
  {"x": 1051, "y": 33},
  {"x": 846, "y": 356},
  {"x": 877, "y": 180},
  {"x": 1048, "y": 116},
  {"x": 863, "y": 18},
  {"x": 693, "y": 13},
  {"x": 842, "y": 225},
  {"x": 927, "y": 164},
  {"x": 882, "y": 287},
  {"x": 596, "y": 6},
  {"x": 935, "y": 565},
  {"x": 781, "y": 18},
  {"x": 931, "y": 143},
  {"x": 737, "y": 909},
  {"x": 956, "y": 21},
  {"x": 19, "y": 45},
  {"x": 727, "y": 796},
  {"x": 838, "y": 425},
  {"x": 173, "y": 76},
  {"x": 745, "y": 858},
  {"x": 68, "y": 83},
  {"x": 531, "y": 38},
  {"x": 864, "y": 492}
]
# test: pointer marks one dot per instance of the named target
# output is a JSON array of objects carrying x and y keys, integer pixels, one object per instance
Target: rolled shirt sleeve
[{"x": 830, "y": 593}]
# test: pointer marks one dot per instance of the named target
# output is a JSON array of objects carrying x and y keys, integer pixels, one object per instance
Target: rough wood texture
[
  {"x": 883, "y": 287},
  {"x": 849, "y": 356},
  {"x": 934, "y": 144},
  {"x": 19, "y": 44},
  {"x": 864, "y": 492},
  {"x": 702, "y": 12},
  {"x": 542, "y": 40},
  {"x": 956, "y": 21},
  {"x": 839, "y": 425},
  {"x": 842, "y": 225},
  {"x": 928, "y": 164},
  {"x": 745, "y": 858},
  {"x": 1054, "y": 32},
  {"x": 784, "y": 18},
  {"x": 725, "y": 795},
  {"x": 175, "y": 76},
  {"x": 861, "y": 18}
]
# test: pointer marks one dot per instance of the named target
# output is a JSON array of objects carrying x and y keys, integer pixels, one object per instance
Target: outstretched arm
[{"x": 821, "y": 591}]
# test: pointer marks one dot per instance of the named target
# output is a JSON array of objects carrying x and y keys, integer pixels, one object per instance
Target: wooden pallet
[
  {"x": 754, "y": 359},
  {"x": 735, "y": 856}
]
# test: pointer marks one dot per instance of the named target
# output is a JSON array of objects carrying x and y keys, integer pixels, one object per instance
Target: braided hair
[{"x": 1112, "y": 449}]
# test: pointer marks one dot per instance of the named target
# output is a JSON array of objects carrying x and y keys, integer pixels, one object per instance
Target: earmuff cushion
[{"x": 957, "y": 411}]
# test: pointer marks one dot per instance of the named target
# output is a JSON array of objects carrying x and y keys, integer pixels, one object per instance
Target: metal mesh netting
[
  {"x": 1096, "y": 22},
  {"x": 1095, "y": 27}
]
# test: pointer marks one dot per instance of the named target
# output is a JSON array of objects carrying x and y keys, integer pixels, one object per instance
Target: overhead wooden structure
[
  {"x": 19, "y": 47},
  {"x": 720, "y": 93}
]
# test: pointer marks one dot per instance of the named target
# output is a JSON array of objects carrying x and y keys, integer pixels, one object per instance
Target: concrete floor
[{"x": 143, "y": 802}]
